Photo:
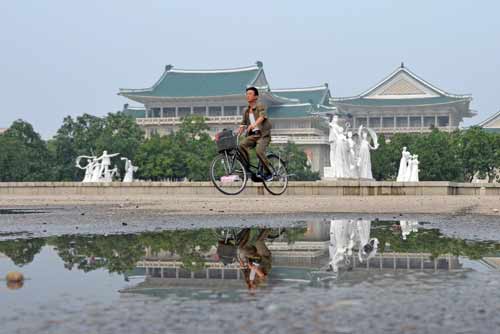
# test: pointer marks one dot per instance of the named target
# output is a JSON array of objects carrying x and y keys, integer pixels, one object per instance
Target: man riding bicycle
[{"x": 258, "y": 128}]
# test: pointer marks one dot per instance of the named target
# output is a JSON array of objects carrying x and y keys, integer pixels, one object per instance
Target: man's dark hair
[{"x": 253, "y": 89}]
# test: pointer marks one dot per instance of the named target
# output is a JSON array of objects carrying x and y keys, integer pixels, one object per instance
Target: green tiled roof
[
  {"x": 185, "y": 83},
  {"x": 305, "y": 96},
  {"x": 398, "y": 102},
  {"x": 492, "y": 130},
  {"x": 287, "y": 111}
]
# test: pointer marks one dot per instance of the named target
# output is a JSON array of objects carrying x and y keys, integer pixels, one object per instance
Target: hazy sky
[{"x": 61, "y": 57}]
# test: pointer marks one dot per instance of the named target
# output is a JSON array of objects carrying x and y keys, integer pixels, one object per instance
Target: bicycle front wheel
[
  {"x": 228, "y": 174},
  {"x": 279, "y": 182}
]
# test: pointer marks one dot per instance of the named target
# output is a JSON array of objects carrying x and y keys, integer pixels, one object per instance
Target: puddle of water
[
  {"x": 20, "y": 211},
  {"x": 222, "y": 264}
]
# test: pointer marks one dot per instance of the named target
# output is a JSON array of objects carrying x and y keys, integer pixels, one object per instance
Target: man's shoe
[{"x": 266, "y": 177}]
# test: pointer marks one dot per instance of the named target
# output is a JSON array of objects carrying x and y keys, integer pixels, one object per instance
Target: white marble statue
[
  {"x": 98, "y": 169},
  {"x": 89, "y": 167},
  {"x": 403, "y": 165},
  {"x": 337, "y": 141},
  {"x": 364, "y": 159},
  {"x": 130, "y": 169},
  {"x": 414, "y": 170},
  {"x": 352, "y": 170},
  {"x": 350, "y": 158}
]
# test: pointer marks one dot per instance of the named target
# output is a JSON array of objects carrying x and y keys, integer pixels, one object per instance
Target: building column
[
  {"x": 176, "y": 112},
  {"x": 436, "y": 121}
]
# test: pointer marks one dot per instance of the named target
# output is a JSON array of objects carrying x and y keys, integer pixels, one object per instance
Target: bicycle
[{"x": 229, "y": 171}]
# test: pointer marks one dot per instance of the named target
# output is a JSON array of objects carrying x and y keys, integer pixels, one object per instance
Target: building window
[
  {"x": 183, "y": 111},
  {"x": 429, "y": 121},
  {"x": 214, "y": 111},
  {"x": 200, "y": 111},
  {"x": 231, "y": 111},
  {"x": 402, "y": 122},
  {"x": 374, "y": 122},
  {"x": 443, "y": 121},
  {"x": 388, "y": 122},
  {"x": 416, "y": 122},
  {"x": 155, "y": 112},
  {"x": 242, "y": 109},
  {"x": 361, "y": 121},
  {"x": 169, "y": 112}
]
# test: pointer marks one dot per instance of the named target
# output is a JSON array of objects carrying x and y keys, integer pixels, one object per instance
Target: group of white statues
[
  {"x": 408, "y": 167},
  {"x": 347, "y": 235},
  {"x": 98, "y": 169},
  {"x": 350, "y": 156}
]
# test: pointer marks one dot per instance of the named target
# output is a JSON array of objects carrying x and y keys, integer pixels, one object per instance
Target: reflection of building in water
[
  {"x": 493, "y": 262},
  {"x": 407, "y": 261},
  {"x": 292, "y": 261}
]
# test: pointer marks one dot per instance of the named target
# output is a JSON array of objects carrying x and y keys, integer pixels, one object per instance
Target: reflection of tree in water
[
  {"x": 117, "y": 253},
  {"x": 431, "y": 241},
  {"x": 21, "y": 251},
  {"x": 120, "y": 253},
  {"x": 188, "y": 244}
]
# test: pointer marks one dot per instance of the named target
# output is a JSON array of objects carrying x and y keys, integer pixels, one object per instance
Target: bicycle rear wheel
[
  {"x": 228, "y": 174},
  {"x": 279, "y": 182}
]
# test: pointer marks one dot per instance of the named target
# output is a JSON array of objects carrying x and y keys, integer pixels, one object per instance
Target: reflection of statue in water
[
  {"x": 255, "y": 260},
  {"x": 346, "y": 235},
  {"x": 407, "y": 227}
]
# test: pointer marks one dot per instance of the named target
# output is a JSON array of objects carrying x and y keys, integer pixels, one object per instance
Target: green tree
[
  {"x": 297, "y": 162},
  {"x": 24, "y": 155},
  {"x": 478, "y": 151},
  {"x": 186, "y": 153},
  {"x": 90, "y": 135}
]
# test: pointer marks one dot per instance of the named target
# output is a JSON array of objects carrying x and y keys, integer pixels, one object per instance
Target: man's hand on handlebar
[{"x": 241, "y": 129}]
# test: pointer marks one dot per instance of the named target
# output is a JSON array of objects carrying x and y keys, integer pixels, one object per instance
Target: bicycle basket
[{"x": 226, "y": 141}]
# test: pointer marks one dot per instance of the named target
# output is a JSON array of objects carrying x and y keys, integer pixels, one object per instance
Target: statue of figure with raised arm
[
  {"x": 364, "y": 159},
  {"x": 104, "y": 173},
  {"x": 129, "y": 170},
  {"x": 403, "y": 165}
]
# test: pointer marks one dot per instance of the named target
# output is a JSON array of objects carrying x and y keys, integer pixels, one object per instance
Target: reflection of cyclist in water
[{"x": 255, "y": 260}]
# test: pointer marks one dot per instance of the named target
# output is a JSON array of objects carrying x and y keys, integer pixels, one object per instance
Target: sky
[{"x": 62, "y": 57}]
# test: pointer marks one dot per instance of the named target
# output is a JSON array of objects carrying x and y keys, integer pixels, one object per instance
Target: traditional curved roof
[
  {"x": 188, "y": 83},
  {"x": 402, "y": 88},
  {"x": 299, "y": 110},
  {"x": 492, "y": 122},
  {"x": 316, "y": 95}
]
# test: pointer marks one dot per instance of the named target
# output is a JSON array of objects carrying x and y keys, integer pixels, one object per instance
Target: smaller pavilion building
[{"x": 405, "y": 103}]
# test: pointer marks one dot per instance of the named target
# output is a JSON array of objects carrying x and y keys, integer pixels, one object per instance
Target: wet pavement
[{"x": 312, "y": 274}]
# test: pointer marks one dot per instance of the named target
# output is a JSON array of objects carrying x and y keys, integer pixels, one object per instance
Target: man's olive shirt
[{"x": 258, "y": 111}]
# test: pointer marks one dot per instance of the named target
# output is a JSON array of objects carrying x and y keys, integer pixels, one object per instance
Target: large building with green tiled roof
[
  {"x": 297, "y": 114},
  {"x": 403, "y": 102}
]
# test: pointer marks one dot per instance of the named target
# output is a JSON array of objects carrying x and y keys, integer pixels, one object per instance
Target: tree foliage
[
  {"x": 24, "y": 155},
  {"x": 443, "y": 156},
  {"x": 186, "y": 153},
  {"x": 297, "y": 162}
]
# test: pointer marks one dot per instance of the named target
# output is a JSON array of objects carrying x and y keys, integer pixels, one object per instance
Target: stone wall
[{"x": 321, "y": 188}]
